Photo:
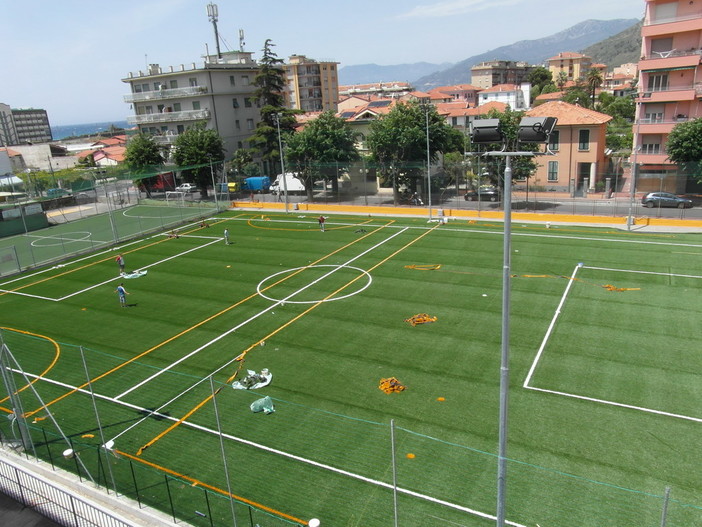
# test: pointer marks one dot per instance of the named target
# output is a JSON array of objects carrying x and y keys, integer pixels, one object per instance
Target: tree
[
  {"x": 539, "y": 77},
  {"x": 144, "y": 155},
  {"x": 195, "y": 151},
  {"x": 684, "y": 146},
  {"x": 270, "y": 82},
  {"x": 577, "y": 95},
  {"x": 561, "y": 80},
  {"x": 594, "y": 81},
  {"x": 398, "y": 142},
  {"x": 327, "y": 139}
]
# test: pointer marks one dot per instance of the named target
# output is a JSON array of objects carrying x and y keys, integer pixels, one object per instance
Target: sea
[{"x": 78, "y": 130}]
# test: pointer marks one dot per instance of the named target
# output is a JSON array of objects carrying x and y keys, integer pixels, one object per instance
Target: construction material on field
[
  {"x": 420, "y": 318},
  {"x": 253, "y": 380},
  {"x": 264, "y": 405},
  {"x": 391, "y": 385}
]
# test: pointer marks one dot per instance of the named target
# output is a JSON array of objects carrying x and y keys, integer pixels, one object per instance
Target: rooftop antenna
[
  {"x": 212, "y": 14},
  {"x": 241, "y": 40}
]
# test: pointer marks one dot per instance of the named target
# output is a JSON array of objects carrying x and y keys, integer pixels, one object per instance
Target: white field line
[
  {"x": 593, "y": 399},
  {"x": 642, "y": 272},
  {"x": 271, "y": 450},
  {"x": 214, "y": 240},
  {"x": 254, "y": 317},
  {"x": 145, "y": 267},
  {"x": 551, "y": 326}
]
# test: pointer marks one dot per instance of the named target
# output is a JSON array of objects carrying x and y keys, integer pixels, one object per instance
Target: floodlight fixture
[
  {"x": 536, "y": 129},
  {"x": 486, "y": 131}
]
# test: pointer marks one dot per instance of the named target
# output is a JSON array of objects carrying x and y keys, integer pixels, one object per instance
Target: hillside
[
  {"x": 622, "y": 48},
  {"x": 575, "y": 38},
  {"x": 580, "y": 37}
]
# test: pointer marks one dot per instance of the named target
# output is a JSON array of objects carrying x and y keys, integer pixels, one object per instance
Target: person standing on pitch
[
  {"x": 120, "y": 262},
  {"x": 122, "y": 294},
  {"x": 321, "y": 223},
  {"x": 226, "y": 236}
]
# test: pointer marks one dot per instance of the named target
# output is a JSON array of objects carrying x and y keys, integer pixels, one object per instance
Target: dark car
[
  {"x": 665, "y": 199},
  {"x": 482, "y": 194}
]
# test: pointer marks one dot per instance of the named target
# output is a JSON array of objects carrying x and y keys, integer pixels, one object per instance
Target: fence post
[
  {"x": 136, "y": 486},
  {"x": 394, "y": 471},
  {"x": 170, "y": 499},
  {"x": 664, "y": 513}
]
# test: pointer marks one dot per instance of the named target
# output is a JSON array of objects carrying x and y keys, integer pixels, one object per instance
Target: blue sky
[{"x": 69, "y": 56}]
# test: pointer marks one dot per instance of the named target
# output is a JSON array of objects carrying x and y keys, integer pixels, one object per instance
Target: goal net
[
  {"x": 175, "y": 198},
  {"x": 9, "y": 263}
]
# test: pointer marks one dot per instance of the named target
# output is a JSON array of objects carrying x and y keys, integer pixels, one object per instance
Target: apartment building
[
  {"x": 218, "y": 92},
  {"x": 670, "y": 91},
  {"x": 516, "y": 96},
  {"x": 491, "y": 73},
  {"x": 575, "y": 65},
  {"x": 23, "y": 126},
  {"x": 578, "y": 145},
  {"x": 311, "y": 85}
]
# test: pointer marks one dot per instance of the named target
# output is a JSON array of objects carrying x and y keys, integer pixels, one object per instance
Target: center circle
[{"x": 260, "y": 286}]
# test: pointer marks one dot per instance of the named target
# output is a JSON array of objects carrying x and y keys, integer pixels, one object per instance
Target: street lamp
[
  {"x": 282, "y": 162},
  {"x": 489, "y": 131}
]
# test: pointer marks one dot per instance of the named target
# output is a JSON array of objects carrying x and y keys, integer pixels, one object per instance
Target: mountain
[
  {"x": 532, "y": 51},
  {"x": 575, "y": 38},
  {"x": 622, "y": 48},
  {"x": 367, "y": 73}
]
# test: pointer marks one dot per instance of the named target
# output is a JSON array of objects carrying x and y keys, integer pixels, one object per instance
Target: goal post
[
  {"x": 9, "y": 263},
  {"x": 175, "y": 198}
]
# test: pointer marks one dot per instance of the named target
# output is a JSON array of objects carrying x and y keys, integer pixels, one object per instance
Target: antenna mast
[
  {"x": 241, "y": 40},
  {"x": 212, "y": 14}
]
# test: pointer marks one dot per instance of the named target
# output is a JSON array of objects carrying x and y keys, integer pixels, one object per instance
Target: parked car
[
  {"x": 665, "y": 199},
  {"x": 186, "y": 187},
  {"x": 484, "y": 193}
]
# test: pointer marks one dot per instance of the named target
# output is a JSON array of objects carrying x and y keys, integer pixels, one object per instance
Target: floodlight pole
[
  {"x": 634, "y": 169},
  {"x": 282, "y": 162},
  {"x": 214, "y": 185},
  {"x": 428, "y": 163}
]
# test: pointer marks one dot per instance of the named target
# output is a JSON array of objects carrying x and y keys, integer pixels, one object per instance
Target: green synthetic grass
[{"x": 607, "y": 421}]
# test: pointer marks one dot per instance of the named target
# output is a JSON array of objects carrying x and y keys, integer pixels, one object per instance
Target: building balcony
[
  {"x": 174, "y": 93},
  {"x": 169, "y": 117},
  {"x": 688, "y": 93},
  {"x": 665, "y": 26},
  {"x": 660, "y": 158},
  {"x": 674, "y": 59}
]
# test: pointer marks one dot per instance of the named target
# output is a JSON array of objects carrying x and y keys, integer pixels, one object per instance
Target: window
[
  {"x": 247, "y": 102},
  {"x": 554, "y": 140},
  {"x": 237, "y": 124},
  {"x": 553, "y": 170},
  {"x": 192, "y": 81},
  {"x": 657, "y": 82},
  {"x": 651, "y": 148},
  {"x": 584, "y": 140},
  {"x": 177, "y": 107},
  {"x": 250, "y": 124},
  {"x": 145, "y": 87},
  {"x": 196, "y": 105},
  {"x": 157, "y": 86},
  {"x": 235, "y": 102},
  {"x": 232, "y": 81},
  {"x": 173, "y": 84},
  {"x": 180, "y": 129},
  {"x": 239, "y": 145},
  {"x": 653, "y": 113},
  {"x": 245, "y": 80}
]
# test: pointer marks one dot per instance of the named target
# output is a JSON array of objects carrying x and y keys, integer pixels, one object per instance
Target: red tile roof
[{"x": 569, "y": 114}]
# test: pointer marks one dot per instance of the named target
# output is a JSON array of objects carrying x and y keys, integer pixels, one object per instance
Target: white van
[{"x": 294, "y": 185}]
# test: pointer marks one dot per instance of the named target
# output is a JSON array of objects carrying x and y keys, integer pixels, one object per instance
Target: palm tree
[{"x": 594, "y": 81}]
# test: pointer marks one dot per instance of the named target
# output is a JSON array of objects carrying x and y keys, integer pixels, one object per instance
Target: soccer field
[{"x": 605, "y": 372}]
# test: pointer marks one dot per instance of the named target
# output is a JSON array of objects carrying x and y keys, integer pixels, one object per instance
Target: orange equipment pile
[
  {"x": 420, "y": 318},
  {"x": 391, "y": 385}
]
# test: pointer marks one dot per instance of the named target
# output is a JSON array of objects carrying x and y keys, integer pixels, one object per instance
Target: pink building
[{"x": 670, "y": 87}]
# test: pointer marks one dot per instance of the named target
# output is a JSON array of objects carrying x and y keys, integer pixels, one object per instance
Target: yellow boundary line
[
  {"x": 196, "y": 482},
  {"x": 277, "y": 330},
  {"x": 208, "y": 319},
  {"x": 53, "y": 363}
]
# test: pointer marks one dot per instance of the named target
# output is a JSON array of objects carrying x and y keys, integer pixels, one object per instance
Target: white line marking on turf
[
  {"x": 145, "y": 267},
  {"x": 550, "y": 326},
  {"x": 260, "y": 313},
  {"x": 594, "y": 399},
  {"x": 265, "y": 448}
]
